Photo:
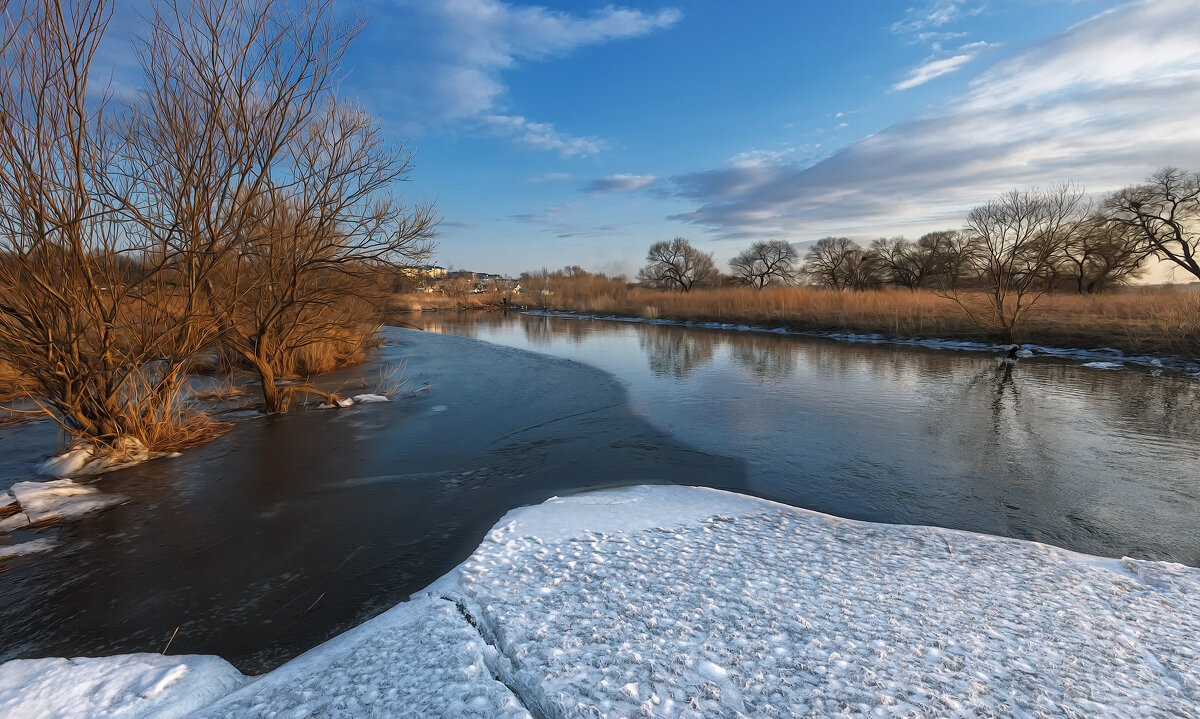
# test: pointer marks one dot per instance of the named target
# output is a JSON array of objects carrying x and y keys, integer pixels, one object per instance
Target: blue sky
[{"x": 581, "y": 132}]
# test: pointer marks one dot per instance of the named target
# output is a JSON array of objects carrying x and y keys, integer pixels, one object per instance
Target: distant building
[{"x": 433, "y": 272}]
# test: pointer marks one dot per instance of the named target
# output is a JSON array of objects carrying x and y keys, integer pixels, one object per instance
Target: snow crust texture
[
  {"x": 419, "y": 659},
  {"x": 684, "y": 602},
  {"x": 789, "y": 613},
  {"x": 129, "y": 686}
]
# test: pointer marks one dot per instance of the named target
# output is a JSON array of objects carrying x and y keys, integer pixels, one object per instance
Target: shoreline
[
  {"x": 682, "y": 601},
  {"x": 1099, "y": 355}
]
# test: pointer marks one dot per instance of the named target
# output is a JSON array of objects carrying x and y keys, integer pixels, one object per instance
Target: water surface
[{"x": 1099, "y": 461}]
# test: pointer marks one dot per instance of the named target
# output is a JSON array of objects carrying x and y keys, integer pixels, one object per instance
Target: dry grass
[
  {"x": 1163, "y": 320},
  {"x": 418, "y": 301}
]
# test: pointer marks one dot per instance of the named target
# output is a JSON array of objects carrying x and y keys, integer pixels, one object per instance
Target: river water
[
  {"x": 289, "y": 530},
  {"x": 1099, "y": 461}
]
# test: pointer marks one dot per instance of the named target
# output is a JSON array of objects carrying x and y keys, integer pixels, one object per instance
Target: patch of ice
[
  {"x": 128, "y": 686},
  {"x": 1104, "y": 365},
  {"x": 368, "y": 398},
  {"x": 438, "y": 408},
  {"x": 33, "y": 546},
  {"x": 344, "y": 401},
  {"x": 59, "y": 499}
]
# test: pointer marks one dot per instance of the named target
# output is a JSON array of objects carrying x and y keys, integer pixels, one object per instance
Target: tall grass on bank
[{"x": 1161, "y": 320}]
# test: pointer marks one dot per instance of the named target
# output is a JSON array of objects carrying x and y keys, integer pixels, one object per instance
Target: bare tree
[
  {"x": 85, "y": 312},
  {"x": 765, "y": 263},
  {"x": 677, "y": 265},
  {"x": 268, "y": 197},
  {"x": 829, "y": 261},
  {"x": 1165, "y": 213},
  {"x": 1017, "y": 234},
  {"x": 1103, "y": 253}
]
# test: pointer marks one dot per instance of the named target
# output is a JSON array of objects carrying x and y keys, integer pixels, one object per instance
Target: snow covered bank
[
  {"x": 130, "y": 686},
  {"x": 1101, "y": 358},
  {"x": 686, "y": 602}
]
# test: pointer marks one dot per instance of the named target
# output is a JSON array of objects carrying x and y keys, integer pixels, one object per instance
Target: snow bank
[
  {"x": 418, "y": 659},
  {"x": 729, "y": 606},
  {"x": 686, "y": 602},
  {"x": 134, "y": 685},
  {"x": 59, "y": 499}
]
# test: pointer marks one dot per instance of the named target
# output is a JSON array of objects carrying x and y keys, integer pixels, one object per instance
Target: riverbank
[
  {"x": 678, "y": 601},
  {"x": 1159, "y": 321}
]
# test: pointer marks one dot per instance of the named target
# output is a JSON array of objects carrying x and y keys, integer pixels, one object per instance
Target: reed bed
[{"x": 1154, "y": 320}]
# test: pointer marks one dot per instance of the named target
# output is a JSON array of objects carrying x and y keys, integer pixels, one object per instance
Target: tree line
[
  {"x": 233, "y": 202},
  {"x": 1024, "y": 240},
  {"x": 1008, "y": 253}
]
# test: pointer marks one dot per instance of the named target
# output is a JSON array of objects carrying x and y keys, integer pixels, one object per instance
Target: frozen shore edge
[
  {"x": 1099, "y": 358},
  {"x": 682, "y": 601}
]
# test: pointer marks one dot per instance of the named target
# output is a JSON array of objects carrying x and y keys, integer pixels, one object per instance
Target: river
[{"x": 289, "y": 530}]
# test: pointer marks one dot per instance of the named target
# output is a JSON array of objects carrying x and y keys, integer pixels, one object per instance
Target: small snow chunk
[
  {"x": 438, "y": 408},
  {"x": 369, "y": 398},
  {"x": 1104, "y": 365},
  {"x": 31, "y": 547},
  {"x": 60, "y": 499},
  {"x": 66, "y": 464},
  {"x": 344, "y": 401}
]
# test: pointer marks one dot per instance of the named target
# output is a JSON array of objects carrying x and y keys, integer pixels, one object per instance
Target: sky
[{"x": 580, "y": 132}]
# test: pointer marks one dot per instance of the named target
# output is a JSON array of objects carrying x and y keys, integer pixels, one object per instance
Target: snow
[
  {"x": 33, "y": 546},
  {"x": 59, "y": 499},
  {"x": 418, "y": 659},
  {"x": 84, "y": 458},
  {"x": 129, "y": 686},
  {"x": 689, "y": 602},
  {"x": 1104, "y": 365},
  {"x": 369, "y": 398}
]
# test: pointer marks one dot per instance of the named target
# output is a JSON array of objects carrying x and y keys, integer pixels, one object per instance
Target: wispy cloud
[
  {"x": 457, "y": 51},
  {"x": 1102, "y": 104},
  {"x": 541, "y": 136},
  {"x": 935, "y": 68},
  {"x": 619, "y": 183},
  {"x": 921, "y": 19}
]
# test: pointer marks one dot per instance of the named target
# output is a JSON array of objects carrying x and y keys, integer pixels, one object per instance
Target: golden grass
[
  {"x": 1135, "y": 320},
  {"x": 418, "y": 301}
]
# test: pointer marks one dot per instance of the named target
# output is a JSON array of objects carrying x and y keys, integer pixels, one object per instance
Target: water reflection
[
  {"x": 675, "y": 351},
  {"x": 1103, "y": 462}
]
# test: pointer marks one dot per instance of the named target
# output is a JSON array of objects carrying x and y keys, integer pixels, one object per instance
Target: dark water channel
[{"x": 289, "y": 530}]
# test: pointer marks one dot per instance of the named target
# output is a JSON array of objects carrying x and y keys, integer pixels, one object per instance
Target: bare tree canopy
[
  {"x": 1164, "y": 212},
  {"x": 840, "y": 263},
  {"x": 677, "y": 265},
  {"x": 765, "y": 263},
  {"x": 1016, "y": 236}
]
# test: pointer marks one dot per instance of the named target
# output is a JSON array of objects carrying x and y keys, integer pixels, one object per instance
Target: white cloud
[
  {"x": 933, "y": 68},
  {"x": 541, "y": 136},
  {"x": 619, "y": 183},
  {"x": 457, "y": 52},
  {"x": 1103, "y": 104},
  {"x": 930, "y": 16}
]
